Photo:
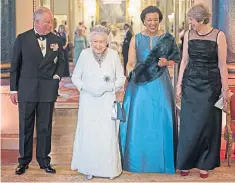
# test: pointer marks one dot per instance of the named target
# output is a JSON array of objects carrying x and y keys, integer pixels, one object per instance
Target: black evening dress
[{"x": 200, "y": 121}]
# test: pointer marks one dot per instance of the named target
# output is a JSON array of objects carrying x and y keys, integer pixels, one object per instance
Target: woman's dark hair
[
  {"x": 150, "y": 9},
  {"x": 127, "y": 25}
]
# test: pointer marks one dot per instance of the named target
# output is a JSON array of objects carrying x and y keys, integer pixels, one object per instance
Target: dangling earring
[{"x": 201, "y": 22}]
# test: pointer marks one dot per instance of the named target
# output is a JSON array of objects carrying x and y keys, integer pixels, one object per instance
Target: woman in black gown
[
  {"x": 64, "y": 38},
  {"x": 203, "y": 76}
]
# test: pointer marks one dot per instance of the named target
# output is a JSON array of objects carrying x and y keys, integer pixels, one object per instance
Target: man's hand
[
  {"x": 14, "y": 98},
  {"x": 56, "y": 77}
]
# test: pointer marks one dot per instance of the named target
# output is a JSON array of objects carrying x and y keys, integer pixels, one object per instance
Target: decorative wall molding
[
  {"x": 9, "y": 135},
  {"x": 34, "y": 5},
  {"x": 192, "y": 2},
  {"x": 8, "y": 34}
]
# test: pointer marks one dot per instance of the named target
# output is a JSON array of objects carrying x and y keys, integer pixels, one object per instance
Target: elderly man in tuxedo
[{"x": 36, "y": 68}]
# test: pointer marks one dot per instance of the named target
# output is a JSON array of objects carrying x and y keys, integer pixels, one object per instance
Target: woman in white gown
[{"x": 97, "y": 75}]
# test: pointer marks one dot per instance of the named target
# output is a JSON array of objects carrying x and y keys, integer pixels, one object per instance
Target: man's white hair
[{"x": 37, "y": 14}]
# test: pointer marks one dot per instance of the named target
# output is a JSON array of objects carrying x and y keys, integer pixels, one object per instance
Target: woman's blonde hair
[
  {"x": 77, "y": 29},
  {"x": 200, "y": 12}
]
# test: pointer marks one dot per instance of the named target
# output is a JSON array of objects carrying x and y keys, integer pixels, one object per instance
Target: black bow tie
[{"x": 41, "y": 37}]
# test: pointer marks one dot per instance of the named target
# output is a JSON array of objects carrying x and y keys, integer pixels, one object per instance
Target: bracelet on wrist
[
  {"x": 178, "y": 85},
  {"x": 223, "y": 89}
]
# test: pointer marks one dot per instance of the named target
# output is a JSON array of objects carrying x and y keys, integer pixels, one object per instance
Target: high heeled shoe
[
  {"x": 89, "y": 177},
  {"x": 184, "y": 172},
  {"x": 204, "y": 175}
]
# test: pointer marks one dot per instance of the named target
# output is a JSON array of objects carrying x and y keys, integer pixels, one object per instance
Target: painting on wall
[{"x": 114, "y": 13}]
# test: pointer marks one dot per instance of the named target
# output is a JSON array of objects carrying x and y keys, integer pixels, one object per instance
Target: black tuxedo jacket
[
  {"x": 126, "y": 44},
  {"x": 32, "y": 74}
]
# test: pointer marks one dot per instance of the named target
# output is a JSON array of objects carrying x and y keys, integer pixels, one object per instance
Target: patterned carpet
[
  {"x": 68, "y": 98},
  {"x": 64, "y": 174},
  {"x": 61, "y": 153},
  {"x": 63, "y": 133}
]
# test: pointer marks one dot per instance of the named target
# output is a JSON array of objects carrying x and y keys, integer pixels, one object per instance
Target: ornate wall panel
[
  {"x": 224, "y": 19},
  {"x": 8, "y": 34}
]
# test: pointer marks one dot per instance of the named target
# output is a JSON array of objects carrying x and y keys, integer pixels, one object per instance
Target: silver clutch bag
[
  {"x": 220, "y": 104},
  {"x": 118, "y": 112}
]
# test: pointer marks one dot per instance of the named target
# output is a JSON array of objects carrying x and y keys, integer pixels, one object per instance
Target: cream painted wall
[
  {"x": 46, "y": 3},
  {"x": 76, "y": 15},
  {"x": 24, "y": 16},
  {"x": 61, "y": 7},
  {"x": 207, "y": 2},
  {"x": 78, "y": 12}
]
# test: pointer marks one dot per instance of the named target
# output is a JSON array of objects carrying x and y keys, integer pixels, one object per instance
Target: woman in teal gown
[
  {"x": 80, "y": 43},
  {"x": 148, "y": 137}
]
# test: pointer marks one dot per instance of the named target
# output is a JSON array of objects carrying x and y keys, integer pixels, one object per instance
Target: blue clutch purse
[{"x": 118, "y": 112}]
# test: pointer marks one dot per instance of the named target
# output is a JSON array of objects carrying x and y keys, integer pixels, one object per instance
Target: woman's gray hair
[
  {"x": 99, "y": 30},
  {"x": 37, "y": 14},
  {"x": 200, "y": 12}
]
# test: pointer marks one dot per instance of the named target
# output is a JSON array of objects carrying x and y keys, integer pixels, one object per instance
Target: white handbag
[{"x": 220, "y": 104}]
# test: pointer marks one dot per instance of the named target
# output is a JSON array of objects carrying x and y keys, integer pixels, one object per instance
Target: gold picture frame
[
  {"x": 119, "y": 23},
  {"x": 34, "y": 5},
  {"x": 41, "y": 3}
]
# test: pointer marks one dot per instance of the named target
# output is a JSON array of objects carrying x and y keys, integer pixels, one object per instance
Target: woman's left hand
[
  {"x": 120, "y": 96},
  {"x": 162, "y": 62}
]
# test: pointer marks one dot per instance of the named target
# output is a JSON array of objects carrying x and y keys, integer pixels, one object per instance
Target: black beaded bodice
[
  {"x": 203, "y": 55},
  {"x": 202, "y": 72}
]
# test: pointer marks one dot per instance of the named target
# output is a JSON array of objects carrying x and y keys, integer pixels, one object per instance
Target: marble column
[
  {"x": 78, "y": 12},
  {"x": 71, "y": 9},
  {"x": 176, "y": 34},
  {"x": 8, "y": 35}
]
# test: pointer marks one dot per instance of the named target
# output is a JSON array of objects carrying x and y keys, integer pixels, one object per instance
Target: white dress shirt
[{"x": 42, "y": 44}]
